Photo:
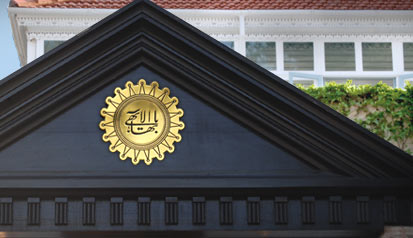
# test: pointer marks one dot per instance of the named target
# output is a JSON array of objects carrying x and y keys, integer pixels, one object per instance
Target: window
[
  {"x": 304, "y": 83},
  {"x": 229, "y": 44},
  {"x": 305, "y": 79},
  {"x": 262, "y": 53},
  {"x": 377, "y": 57},
  {"x": 298, "y": 56},
  {"x": 340, "y": 57},
  {"x": 403, "y": 78},
  {"x": 51, "y": 44},
  {"x": 362, "y": 81},
  {"x": 408, "y": 56}
]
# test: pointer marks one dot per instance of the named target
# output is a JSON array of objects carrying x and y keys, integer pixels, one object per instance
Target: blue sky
[{"x": 9, "y": 61}]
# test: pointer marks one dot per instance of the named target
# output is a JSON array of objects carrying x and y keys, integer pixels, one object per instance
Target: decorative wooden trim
[
  {"x": 253, "y": 210},
  {"x": 255, "y": 24},
  {"x": 198, "y": 211},
  {"x": 89, "y": 211},
  {"x": 33, "y": 211},
  {"x": 116, "y": 211},
  {"x": 390, "y": 210},
  {"x": 335, "y": 209},
  {"x": 144, "y": 211},
  {"x": 225, "y": 211},
  {"x": 411, "y": 211},
  {"x": 61, "y": 211},
  {"x": 281, "y": 210},
  {"x": 171, "y": 211},
  {"x": 222, "y": 206},
  {"x": 308, "y": 210},
  {"x": 6, "y": 211},
  {"x": 363, "y": 210}
]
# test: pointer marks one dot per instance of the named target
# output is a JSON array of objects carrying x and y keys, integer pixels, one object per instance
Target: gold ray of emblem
[{"x": 141, "y": 122}]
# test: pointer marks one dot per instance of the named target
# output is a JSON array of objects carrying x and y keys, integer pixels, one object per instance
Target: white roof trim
[{"x": 58, "y": 23}]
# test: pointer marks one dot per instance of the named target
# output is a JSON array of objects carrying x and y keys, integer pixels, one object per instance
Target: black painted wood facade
[{"x": 258, "y": 158}]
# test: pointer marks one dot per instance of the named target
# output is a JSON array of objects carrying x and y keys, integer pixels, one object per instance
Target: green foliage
[{"x": 386, "y": 111}]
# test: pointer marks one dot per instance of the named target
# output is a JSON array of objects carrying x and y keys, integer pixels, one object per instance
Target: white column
[
  {"x": 239, "y": 45},
  {"x": 359, "y": 58},
  {"x": 319, "y": 61},
  {"x": 31, "y": 50},
  {"x": 39, "y": 47},
  {"x": 397, "y": 57},
  {"x": 279, "y": 45}
]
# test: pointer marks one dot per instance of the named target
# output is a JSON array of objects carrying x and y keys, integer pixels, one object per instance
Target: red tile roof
[{"x": 228, "y": 4}]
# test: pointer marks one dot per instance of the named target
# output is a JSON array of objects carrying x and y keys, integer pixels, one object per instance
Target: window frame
[
  {"x": 391, "y": 56},
  {"x": 403, "y": 57},
  {"x": 313, "y": 55},
  {"x": 319, "y": 55},
  {"x": 275, "y": 53},
  {"x": 325, "y": 58},
  {"x": 44, "y": 44}
]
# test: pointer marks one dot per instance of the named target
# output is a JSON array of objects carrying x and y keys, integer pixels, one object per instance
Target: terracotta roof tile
[{"x": 228, "y": 4}]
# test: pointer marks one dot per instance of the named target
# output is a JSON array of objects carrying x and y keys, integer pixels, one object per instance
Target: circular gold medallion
[{"x": 141, "y": 122}]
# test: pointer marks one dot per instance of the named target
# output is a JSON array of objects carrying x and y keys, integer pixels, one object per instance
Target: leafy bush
[{"x": 384, "y": 110}]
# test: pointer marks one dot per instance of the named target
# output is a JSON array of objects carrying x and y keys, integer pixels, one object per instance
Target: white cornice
[
  {"x": 50, "y": 35},
  {"x": 64, "y": 12},
  {"x": 257, "y": 19},
  {"x": 50, "y": 23},
  {"x": 304, "y": 21},
  {"x": 49, "y": 18}
]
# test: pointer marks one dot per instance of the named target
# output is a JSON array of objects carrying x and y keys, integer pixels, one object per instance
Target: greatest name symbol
[{"x": 141, "y": 119}]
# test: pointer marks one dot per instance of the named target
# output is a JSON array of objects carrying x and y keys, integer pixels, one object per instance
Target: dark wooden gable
[
  {"x": 214, "y": 151},
  {"x": 256, "y": 154},
  {"x": 144, "y": 34}
]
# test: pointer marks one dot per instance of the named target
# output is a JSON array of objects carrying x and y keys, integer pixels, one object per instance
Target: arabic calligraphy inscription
[{"x": 141, "y": 122}]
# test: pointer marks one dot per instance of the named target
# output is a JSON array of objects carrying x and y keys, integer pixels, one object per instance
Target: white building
[{"x": 300, "y": 41}]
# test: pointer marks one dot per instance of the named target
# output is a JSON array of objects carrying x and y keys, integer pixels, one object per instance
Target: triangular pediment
[
  {"x": 143, "y": 35},
  {"x": 213, "y": 147}
]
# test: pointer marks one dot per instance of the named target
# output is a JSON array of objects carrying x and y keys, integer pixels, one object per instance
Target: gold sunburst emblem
[{"x": 141, "y": 122}]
